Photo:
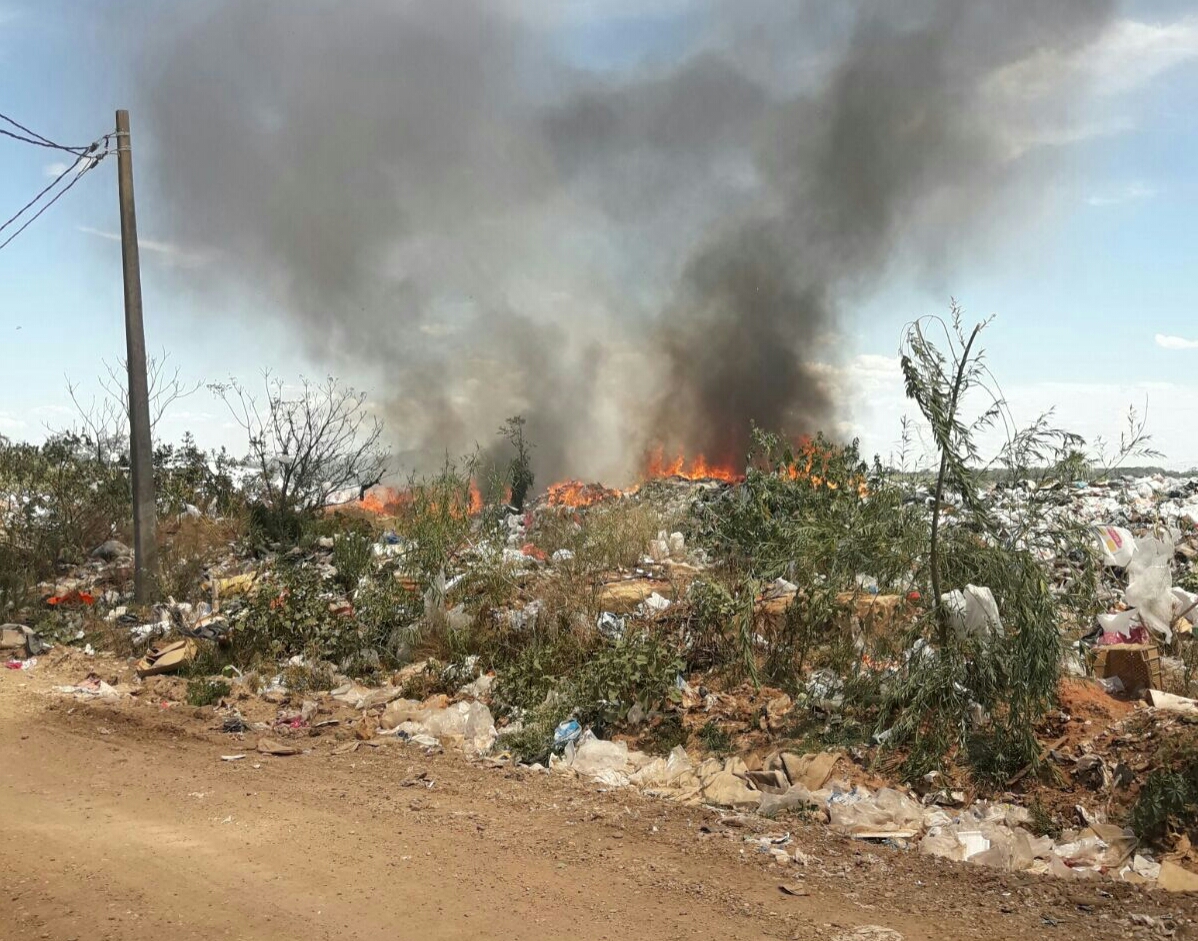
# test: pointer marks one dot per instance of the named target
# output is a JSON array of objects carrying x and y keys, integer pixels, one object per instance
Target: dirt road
[{"x": 120, "y": 821}]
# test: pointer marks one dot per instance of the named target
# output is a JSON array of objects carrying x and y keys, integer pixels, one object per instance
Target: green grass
[
  {"x": 203, "y": 691},
  {"x": 715, "y": 740}
]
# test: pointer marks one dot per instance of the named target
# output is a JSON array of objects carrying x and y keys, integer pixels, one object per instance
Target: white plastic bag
[
  {"x": 886, "y": 810},
  {"x": 594, "y": 755},
  {"x": 471, "y": 721},
  {"x": 1150, "y": 585},
  {"x": 1116, "y": 545},
  {"x": 973, "y": 612}
]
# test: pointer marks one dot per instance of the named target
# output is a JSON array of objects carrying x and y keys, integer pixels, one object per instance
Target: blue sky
[{"x": 1094, "y": 281}]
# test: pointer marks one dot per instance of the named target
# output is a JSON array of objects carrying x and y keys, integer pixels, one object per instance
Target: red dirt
[{"x": 122, "y": 822}]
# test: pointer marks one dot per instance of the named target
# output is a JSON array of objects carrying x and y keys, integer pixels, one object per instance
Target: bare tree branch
[{"x": 309, "y": 446}]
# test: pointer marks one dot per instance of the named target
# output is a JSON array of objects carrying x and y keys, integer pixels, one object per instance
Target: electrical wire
[
  {"x": 38, "y": 139},
  {"x": 87, "y": 155},
  {"x": 95, "y": 161},
  {"x": 58, "y": 179}
]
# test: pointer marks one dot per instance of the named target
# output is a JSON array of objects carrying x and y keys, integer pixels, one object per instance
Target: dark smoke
[{"x": 654, "y": 254}]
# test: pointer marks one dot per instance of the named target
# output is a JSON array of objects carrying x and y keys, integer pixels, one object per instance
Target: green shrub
[
  {"x": 1168, "y": 799},
  {"x": 289, "y": 615},
  {"x": 60, "y": 500},
  {"x": 435, "y": 520},
  {"x": 275, "y": 526},
  {"x": 712, "y": 609},
  {"x": 313, "y": 677},
  {"x": 532, "y": 740},
  {"x": 715, "y": 740},
  {"x": 186, "y": 475},
  {"x": 520, "y": 472},
  {"x": 537, "y": 658},
  {"x": 203, "y": 691},
  {"x": 353, "y": 558},
  {"x": 640, "y": 669},
  {"x": 664, "y": 735}
]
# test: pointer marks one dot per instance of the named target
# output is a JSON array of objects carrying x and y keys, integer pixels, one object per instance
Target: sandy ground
[{"x": 120, "y": 821}]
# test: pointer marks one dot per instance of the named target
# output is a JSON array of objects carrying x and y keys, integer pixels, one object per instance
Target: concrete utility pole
[{"x": 145, "y": 548}]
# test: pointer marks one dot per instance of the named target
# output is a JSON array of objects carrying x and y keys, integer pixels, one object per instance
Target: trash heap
[
  {"x": 1145, "y": 531},
  {"x": 985, "y": 833}
]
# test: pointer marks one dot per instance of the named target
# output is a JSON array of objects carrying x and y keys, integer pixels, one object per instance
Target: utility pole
[{"x": 145, "y": 548}]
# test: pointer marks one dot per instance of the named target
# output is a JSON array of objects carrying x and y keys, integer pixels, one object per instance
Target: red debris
[
  {"x": 533, "y": 552},
  {"x": 72, "y": 597}
]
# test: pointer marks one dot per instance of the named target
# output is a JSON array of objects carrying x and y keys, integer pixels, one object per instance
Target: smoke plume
[{"x": 443, "y": 198}]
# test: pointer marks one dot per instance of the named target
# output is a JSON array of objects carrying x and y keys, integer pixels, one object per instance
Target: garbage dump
[{"x": 598, "y": 632}]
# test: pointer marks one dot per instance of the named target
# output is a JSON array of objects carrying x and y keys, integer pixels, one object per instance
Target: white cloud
[
  {"x": 1127, "y": 55},
  {"x": 10, "y": 423},
  {"x": 168, "y": 253},
  {"x": 1131, "y": 54},
  {"x": 55, "y": 170},
  {"x": 1133, "y": 192},
  {"x": 184, "y": 415},
  {"x": 1036, "y": 100},
  {"x": 872, "y": 388},
  {"x": 57, "y": 411},
  {"x": 1175, "y": 343}
]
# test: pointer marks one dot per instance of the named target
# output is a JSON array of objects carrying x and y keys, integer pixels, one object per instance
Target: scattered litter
[
  {"x": 569, "y": 731},
  {"x": 1172, "y": 703},
  {"x": 91, "y": 688},
  {"x": 72, "y": 598},
  {"x": 654, "y": 604},
  {"x": 973, "y": 612},
  {"x": 167, "y": 658},
  {"x": 467, "y": 724},
  {"x": 21, "y": 642},
  {"x": 1116, "y": 545},
  {"x": 1174, "y": 878},
  {"x": 610, "y": 625},
  {"x": 267, "y": 746},
  {"x": 868, "y": 933}
]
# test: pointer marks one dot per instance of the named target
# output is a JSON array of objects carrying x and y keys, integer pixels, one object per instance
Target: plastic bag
[
  {"x": 942, "y": 842},
  {"x": 594, "y": 755},
  {"x": 1122, "y": 627},
  {"x": 973, "y": 612},
  {"x": 568, "y": 731},
  {"x": 1112, "y": 684},
  {"x": 1116, "y": 545},
  {"x": 1150, "y": 585},
  {"x": 471, "y": 721},
  {"x": 887, "y": 810}
]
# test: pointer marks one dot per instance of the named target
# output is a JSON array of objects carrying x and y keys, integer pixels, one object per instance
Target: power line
[
  {"x": 57, "y": 196},
  {"x": 38, "y": 139},
  {"x": 58, "y": 179},
  {"x": 86, "y": 155}
]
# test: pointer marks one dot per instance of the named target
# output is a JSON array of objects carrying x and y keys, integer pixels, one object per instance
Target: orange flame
[
  {"x": 387, "y": 501},
  {"x": 811, "y": 465},
  {"x": 379, "y": 500},
  {"x": 698, "y": 468},
  {"x": 575, "y": 493}
]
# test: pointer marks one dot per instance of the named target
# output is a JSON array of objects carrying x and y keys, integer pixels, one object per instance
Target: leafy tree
[{"x": 520, "y": 470}]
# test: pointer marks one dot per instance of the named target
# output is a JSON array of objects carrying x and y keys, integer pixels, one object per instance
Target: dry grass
[
  {"x": 188, "y": 546},
  {"x": 604, "y": 537}
]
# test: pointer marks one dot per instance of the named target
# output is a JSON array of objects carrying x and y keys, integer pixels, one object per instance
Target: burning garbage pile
[{"x": 761, "y": 641}]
